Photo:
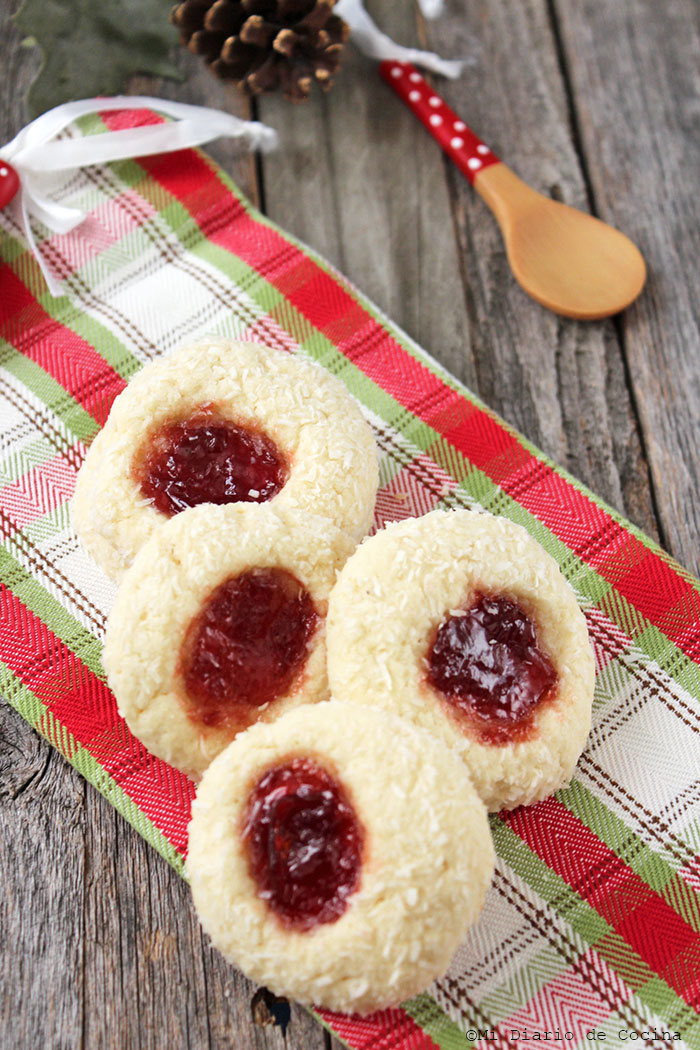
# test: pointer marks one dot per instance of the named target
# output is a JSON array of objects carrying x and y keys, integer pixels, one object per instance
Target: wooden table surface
[{"x": 595, "y": 103}]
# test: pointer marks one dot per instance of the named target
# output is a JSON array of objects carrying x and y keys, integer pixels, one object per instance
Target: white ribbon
[
  {"x": 33, "y": 154},
  {"x": 370, "y": 39},
  {"x": 431, "y": 8}
]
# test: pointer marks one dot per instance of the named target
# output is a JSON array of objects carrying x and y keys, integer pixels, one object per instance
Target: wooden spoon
[{"x": 571, "y": 262}]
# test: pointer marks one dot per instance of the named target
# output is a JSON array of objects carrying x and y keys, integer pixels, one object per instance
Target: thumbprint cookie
[
  {"x": 338, "y": 856},
  {"x": 223, "y": 422},
  {"x": 219, "y": 623},
  {"x": 463, "y": 624}
]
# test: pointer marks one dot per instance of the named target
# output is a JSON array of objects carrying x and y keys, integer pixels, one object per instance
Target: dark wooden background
[{"x": 593, "y": 102}]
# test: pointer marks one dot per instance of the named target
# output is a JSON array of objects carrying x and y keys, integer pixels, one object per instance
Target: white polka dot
[
  {"x": 435, "y": 119},
  {"x": 474, "y": 163},
  {"x": 482, "y": 149},
  {"x": 456, "y": 143},
  {"x": 414, "y": 96},
  {"x": 459, "y": 125},
  {"x": 416, "y": 78},
  {"x": 4, "y": 172},
  {"x": 434, "y": 101},
  {"x": 396, "y": 71}
]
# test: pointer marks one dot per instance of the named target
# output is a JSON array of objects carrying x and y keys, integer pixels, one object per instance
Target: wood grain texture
[
  {"x": 42, "y": 868},
  {"x": 593, "y": 103},
  {"x": 360, "y": 181}
]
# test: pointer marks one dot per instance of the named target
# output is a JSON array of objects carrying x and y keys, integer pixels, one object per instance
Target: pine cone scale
[
  {"x": 205, "y": 44},
  {"x": 319, "y": 15},
  {"x": 221, "y": 18},
  {"x": 265, "y": 44}
]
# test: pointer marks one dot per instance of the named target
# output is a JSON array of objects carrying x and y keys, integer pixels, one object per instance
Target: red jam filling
[
  {"x": 304, "y": 843},
  {"x": 208, "y": 459},
  {"x": 247, "y": 646},
  {"x": 488, "y": 664}
]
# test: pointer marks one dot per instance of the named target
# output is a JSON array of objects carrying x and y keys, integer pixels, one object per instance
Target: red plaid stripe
[
  {"x": 669, "y": 946},
  {"x": 85, "y": 707}
]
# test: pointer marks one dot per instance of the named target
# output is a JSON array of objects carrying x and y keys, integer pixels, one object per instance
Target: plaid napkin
[{"x": 591, "y": 927}]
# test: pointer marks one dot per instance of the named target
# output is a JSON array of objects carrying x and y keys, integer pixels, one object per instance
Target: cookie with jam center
[
  {"x": 223, "y": 422},
  {"x": 462, "y": 623},
  {"x": 220, "y": 623},
  {"x": 339, "y": 855}
]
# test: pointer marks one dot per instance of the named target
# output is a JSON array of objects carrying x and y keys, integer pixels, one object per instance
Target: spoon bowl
[{"x": 568, "y": 261}]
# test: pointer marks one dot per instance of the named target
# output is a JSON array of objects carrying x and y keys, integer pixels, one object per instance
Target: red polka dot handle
[
  {"x": 9, "y": 183},
  {"x": 567, "y": 260},
  {"x": 465, "y": 148}
]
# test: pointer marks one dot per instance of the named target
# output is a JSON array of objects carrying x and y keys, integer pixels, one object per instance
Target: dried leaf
[{"x": 91, "y": 47}]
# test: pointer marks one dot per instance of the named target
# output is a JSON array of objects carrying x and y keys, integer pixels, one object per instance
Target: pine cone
[{"x": 263, "y": 45}]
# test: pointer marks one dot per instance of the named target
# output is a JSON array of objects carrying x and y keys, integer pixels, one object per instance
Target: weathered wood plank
[
  {"x": 42, "y": 867},
  {"x": 359, "y": 182},
  {"x": 635, "y": 78},
  {"x": 18, "y": 65}
]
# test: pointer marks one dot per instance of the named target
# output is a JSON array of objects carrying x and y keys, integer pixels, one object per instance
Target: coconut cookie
[
  {"x": 223, "y": 422},
  {"x": 338, "y": 856},
  {"x": 463, "y": 624},
  {"x": 220, "y": 622}
]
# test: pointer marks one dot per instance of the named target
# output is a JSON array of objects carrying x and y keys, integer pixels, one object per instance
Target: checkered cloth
[{"x": 593, "y": 919}]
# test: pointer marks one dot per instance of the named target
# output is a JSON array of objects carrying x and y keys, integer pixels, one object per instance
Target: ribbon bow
[{"x": 33, "y": 153}]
